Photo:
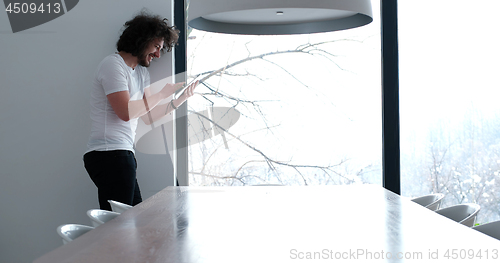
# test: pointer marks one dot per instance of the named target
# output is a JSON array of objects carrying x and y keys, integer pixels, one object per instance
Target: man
[{"x": 120, "y": 95}]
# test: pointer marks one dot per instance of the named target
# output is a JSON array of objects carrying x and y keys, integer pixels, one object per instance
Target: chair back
[
  {"x": 431, "y": 201},
  {"x": 491, "y": 229},
  {"x": 118, "y": 207},
  {"x": 464, "y": 214},
  {"x": 99, "y": 217},
  {"x": 69, "y": 232}
]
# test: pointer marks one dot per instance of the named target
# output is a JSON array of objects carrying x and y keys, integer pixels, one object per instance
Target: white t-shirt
[{"x": 108, "y": 131}]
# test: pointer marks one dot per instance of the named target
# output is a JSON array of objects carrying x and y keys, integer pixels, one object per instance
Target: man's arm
[
  {"x": 127, "y": 109},
  {"x": 160, "y": 111}
]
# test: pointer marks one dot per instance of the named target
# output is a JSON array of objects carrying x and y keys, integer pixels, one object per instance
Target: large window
[
  {"x": 292, "y": 110},
  {"x": 450, "y": 114}
]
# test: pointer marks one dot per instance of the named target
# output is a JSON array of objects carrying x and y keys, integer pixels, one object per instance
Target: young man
[{"x": 120, "y": 95}]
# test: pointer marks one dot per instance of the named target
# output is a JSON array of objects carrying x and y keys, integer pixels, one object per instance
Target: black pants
[{"x": 114, "y": 174}]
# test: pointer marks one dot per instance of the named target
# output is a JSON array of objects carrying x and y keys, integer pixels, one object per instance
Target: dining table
[{"x": 334, "y": 223}]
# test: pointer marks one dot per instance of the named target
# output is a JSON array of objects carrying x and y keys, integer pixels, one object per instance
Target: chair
[
  {"x": 464, "y": 214},
  {"x": 118, "y": 207},
  {"x": 69, "y": 232},
  {"x": 491, "y": 229},
  {"x": 432, "y": 201},
  {"x": 99, "y": 217}
]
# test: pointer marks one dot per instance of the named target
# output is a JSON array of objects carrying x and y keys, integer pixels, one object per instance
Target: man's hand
[
  {"x": 170, "y": 89},
  {"x": 189, "y": 91}
]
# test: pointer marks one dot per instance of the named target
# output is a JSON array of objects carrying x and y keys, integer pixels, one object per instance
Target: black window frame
[{"x": 391, "y": 168}]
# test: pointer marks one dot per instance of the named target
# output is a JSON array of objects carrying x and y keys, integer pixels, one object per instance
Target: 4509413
[{"x": 33, "y": 8}]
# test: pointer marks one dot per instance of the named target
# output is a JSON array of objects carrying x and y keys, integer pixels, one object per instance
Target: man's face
[{"x": 153, "y": 50}]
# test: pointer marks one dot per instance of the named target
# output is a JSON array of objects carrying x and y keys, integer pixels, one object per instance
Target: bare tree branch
[{"x": 271, "y": 162}]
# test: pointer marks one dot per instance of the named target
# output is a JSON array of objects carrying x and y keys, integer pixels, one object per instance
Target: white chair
[
  {"x": 69, "y": 232},
  {"x": 431, "y": 201},
  {"x": 464, "y": 214},
  {"x": 118, "y": 207},
  {"x": 491, "y": 229},
  {"x": 99, "y": 217}
]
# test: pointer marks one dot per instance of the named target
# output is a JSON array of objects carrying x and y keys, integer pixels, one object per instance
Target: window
[
  {"x": 293, "y": 110},
  {"x": 450, "y": 115}
]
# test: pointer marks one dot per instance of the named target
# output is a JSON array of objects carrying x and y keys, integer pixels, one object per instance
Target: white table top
[{"x": 357, "y": 223}]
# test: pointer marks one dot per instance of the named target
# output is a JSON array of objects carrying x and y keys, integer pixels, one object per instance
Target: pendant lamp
[{"x": 277, "y": 17}]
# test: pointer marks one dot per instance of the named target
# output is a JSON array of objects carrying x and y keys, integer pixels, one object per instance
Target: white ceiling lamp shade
[{"x": 278, "y": 17}]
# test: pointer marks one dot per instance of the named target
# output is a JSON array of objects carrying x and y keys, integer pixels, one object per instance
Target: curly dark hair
[{"x": 143, "y": 29}]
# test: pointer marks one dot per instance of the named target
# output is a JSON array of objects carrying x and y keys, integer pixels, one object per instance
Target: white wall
[{"x": 45, "y": 73}]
